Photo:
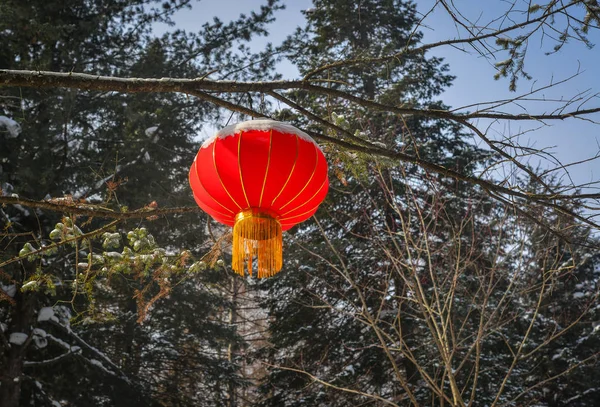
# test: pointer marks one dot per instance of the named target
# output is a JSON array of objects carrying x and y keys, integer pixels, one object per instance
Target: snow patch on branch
[
  {"x": 39, "y": 338},
  {"x": 62, "y": 343},
  {"x": 116, "y": 371},
  {"x": 76, "y": 350},
  {"x": 21, "y": 209},
  {"x": 18, "y": 338},
  {"x": 13, "y": 128},
  {"x": 99, "y": 364},
  {"x": 46, "y": 314},
  {"x": 100, "y": 183},
  {"x": 578, "y": 396},
  {"x": 9, "y": 290},
  {"x": 151, "y": 130}
]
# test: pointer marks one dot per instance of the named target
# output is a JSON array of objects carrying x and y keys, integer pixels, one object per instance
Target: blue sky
[{"x": 569, "y": 141}]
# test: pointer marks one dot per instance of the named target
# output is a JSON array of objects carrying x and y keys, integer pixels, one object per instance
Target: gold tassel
[{"x": 257, "y": 233}]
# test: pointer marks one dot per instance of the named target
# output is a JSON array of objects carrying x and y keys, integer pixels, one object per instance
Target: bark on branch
[
  {"x": 93, "y": 210},
  {"x": 199, "y": 86}
]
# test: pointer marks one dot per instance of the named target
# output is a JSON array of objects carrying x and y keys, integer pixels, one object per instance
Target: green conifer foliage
[
  {"x": 409, "y": 288},
  {"x": 120, "y": 152}
]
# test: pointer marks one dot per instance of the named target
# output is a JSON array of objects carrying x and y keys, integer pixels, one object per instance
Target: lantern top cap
[{"x": 258, "y": 124}]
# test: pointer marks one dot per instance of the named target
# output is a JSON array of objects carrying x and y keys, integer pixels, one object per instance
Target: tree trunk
[
  {"x": 231, "y": 349},
  {"x": 11, "y": 371}
]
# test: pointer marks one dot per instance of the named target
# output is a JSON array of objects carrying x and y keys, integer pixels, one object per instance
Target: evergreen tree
[
  {"x": 410, "y": 288},
  {"x": 361, "y": 221},
  {"x": 557, "y": 303},
  {"x": 114, "y": 151},
  {"x": 411, "y": 284}
]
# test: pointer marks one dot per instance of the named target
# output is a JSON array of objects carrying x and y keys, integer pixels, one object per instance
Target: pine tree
[
  {"x": 558, "y": 302},
  {"x": 115, "y": 151},
  {"x": 355, "y": 307},
  {"x": 411, "y": 288}
]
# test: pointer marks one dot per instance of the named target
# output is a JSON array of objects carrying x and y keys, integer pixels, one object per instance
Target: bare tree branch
[
  {"x": 96, "y": 211},
  {"x": 333, "y": 386},
  {"x": 198, "y": 87},
  {"x": 453, "y": 42}
]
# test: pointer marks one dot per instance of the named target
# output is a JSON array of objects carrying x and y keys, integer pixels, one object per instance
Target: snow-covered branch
[
  {"x": 47, "y": 361},
  {"x": 101, "y": 357}
]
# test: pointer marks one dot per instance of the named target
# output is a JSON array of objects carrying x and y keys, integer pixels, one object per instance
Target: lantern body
[{"x": 262, "y": 177}]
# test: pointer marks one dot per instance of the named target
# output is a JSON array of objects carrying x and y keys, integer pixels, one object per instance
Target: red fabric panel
[
  {"x": 254, "y": 155},
  {"x": 302, "y": 173},
  {"x": 206, "y": 202},
  {"x": 208, "y": 176},
  {"x": 283, "y": 155},
  {"x": 310, "y": 189},
  {"x": 226, "y": 160},
  {"x": 306, "y": 205}
]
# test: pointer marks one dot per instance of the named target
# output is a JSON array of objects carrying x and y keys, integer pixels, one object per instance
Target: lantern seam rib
[
  {"x": 240, "y": 167},
  {"x": 308, "y": 200},
  {"x": 291, "y": 172},
  {"x": 267, "y": 169},
  {"x": 228, "y": 216},
  {"x": 219, "y": 176},
  {"x": 301, "y": 214},
  {"x": 209, "y": 194},
  {"x": 307, "y": 182}
]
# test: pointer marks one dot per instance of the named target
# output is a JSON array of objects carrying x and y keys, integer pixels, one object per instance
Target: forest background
[{"x": 454, "y": 261}]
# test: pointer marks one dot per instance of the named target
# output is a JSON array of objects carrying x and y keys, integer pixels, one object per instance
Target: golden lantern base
[{"x": 257, "y": 233}]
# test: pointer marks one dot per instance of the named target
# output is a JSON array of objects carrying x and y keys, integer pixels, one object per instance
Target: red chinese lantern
[{"x": 261, "y": 177}]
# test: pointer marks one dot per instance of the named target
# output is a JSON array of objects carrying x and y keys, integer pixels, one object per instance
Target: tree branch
[
  {"x": 95, "y": 211},
  {"x": 61, "y": 243},
  {"x": 49, "y": 361},
  {"x": 333, "y": 386},
  {"x": 425, "y": 47},
  {"x": 199, "y": 86}
]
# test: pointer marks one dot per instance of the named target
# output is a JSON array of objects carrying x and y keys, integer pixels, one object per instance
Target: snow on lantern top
[{"x": 258, "y": 124}]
